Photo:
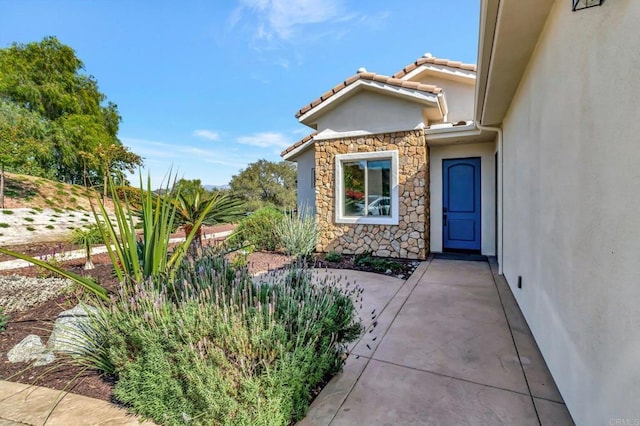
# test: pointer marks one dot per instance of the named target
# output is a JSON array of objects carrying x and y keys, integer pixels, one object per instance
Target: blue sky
[{"x": 210, "y": 86}]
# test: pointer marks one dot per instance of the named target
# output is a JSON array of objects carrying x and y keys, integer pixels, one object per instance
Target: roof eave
[
  {"x": 294, "y": 153},
  {"x": 509, "y": 31}
]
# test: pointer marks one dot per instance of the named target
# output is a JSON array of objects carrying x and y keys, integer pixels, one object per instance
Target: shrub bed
[
  {"x": 258, "y": 230},
  {"x": 213, "y": 347}
]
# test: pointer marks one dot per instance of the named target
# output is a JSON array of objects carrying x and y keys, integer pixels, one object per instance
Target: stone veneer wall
[{"x": 410, "y": 238}]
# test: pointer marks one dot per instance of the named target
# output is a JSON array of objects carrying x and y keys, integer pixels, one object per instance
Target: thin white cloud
[
  {"x": 149, "y": 149},
  {"x": 286, "y": 20},
  {"x": 265, "y": 140},
  {"x": 207, "y": 134},
  {"x": 212, "y": 157},
  {"x": 302, "y": 131}
]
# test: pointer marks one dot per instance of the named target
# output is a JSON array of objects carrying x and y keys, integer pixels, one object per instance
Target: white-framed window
[{"x": 367, "y": 188}]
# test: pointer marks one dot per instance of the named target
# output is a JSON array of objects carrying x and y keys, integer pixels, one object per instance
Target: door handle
[{"x": 444, "y": 220}]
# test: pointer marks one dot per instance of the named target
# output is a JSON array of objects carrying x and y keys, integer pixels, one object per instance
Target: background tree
[
  {"x": 46, "y": 79},
  {"x": 266, "y": 183},
  {"x": 24, "y": 141},
  {"x": 190, "y": 187},
  {"x": 112, "y": 160}
]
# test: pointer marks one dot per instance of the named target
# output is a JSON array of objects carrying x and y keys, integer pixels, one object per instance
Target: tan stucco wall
[
  {"x": 571, "y": 203},
  {"x": 408, "y": 239},
  {"x": 374, "y": 113},
  {"x": 460, "y": 95}
]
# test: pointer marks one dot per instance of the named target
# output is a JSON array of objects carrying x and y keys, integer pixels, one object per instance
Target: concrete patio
[{"x": 450, "y": 347}]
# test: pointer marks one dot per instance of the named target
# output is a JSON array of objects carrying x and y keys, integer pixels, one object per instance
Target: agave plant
[{"x": 134, "y": 257}]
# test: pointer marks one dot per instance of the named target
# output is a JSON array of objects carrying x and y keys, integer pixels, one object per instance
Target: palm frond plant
[
  {"x": 214, "y": 208},
  {"x": 87, "y": 237}
]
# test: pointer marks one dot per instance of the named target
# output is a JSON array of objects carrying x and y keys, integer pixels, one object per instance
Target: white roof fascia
[
  {"x": 446, "y": 129},
  {"x": 289, "y": 156},
  {"x": 457, "y": 72},
  {"x": 418, "y": 95}
]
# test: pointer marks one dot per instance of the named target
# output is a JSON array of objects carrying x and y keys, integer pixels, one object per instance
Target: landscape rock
[
  {"x": 29, "y": 349},
  {"x": 69, "y": 330},
  {"x": 45, "y": 358}
]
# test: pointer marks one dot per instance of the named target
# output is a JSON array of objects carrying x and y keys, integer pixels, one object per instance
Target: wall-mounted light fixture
[{"x": 584, "y": 4}]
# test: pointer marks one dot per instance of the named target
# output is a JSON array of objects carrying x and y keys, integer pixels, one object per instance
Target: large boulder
[
  {"x": 70, "y": 330},
  {"x": 31, "y": 349}
]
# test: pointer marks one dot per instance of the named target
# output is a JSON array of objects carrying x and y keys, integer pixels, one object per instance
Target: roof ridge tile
[{"x": 436, "y": 61}]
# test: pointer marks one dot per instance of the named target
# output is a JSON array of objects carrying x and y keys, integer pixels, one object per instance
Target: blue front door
[{"x": 461, "y": 204}]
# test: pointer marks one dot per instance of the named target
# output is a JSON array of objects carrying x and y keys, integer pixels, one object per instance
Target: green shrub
[
  {"x": 333, "y": 256},
  {"x": 31, "y": 228},
  {"x": 28, "y": 219},
  {"x": 297, "y": 234},
  {"x": 4, "y": 225},
  {"x": 378, "y": 264},
  {"x": 50, "y": 227},
  {"x": 258, "y": 229},
  {"x": 4, "y": 319},
  {"x": 7, "y": 211},
  {"x": 33, "y": 212},
  {"x": 215, "y": 348}
]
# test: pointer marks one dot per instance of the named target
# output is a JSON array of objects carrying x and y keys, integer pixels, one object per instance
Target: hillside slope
[{"x": 38, "y": 209}]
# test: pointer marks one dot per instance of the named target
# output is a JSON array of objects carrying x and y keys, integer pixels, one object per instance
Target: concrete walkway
[
  {"x": 450, "y": 347},
  {"x": 32, "y": 405}
]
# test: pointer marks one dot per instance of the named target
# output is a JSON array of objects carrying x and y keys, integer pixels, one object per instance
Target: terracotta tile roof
[
  {"x": 392, "y": 81},
  {"x": 298, "y": 144},
  {"x": 428, "y": 59}
]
